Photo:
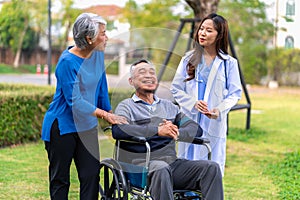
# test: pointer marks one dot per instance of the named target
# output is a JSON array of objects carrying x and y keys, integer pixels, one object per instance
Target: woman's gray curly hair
[{"x": 86, "y": 24}]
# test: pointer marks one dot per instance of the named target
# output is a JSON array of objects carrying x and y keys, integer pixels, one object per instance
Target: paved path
[
  {"x": 36, "y": 79},
  {"x": 113, "y": 82}
]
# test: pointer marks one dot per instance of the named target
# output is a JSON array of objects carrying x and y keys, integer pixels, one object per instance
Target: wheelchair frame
[{"x": 116, "y": 185}]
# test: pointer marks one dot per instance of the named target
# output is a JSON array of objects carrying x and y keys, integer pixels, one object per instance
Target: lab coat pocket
[{"x": 219, "y": 86}]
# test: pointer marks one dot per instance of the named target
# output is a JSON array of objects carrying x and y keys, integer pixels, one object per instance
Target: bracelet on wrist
[
  {"x": 100, "y": 114},
  {"x": 103, "y": 115}
]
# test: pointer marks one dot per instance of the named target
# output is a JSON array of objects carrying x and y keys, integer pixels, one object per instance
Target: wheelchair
[{"x": 121, "y": 180}]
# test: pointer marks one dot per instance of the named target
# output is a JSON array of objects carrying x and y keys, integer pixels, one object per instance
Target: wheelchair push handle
[{"x": 196, "y": 140}]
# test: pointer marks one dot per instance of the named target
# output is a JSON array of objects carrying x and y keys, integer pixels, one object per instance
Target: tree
[
  {"x": 202, "y": 8},
  {"x": 249, "y": 28},
  {"x": 151, "y": 24},
  {"x": 18, "y": 22},
  {"x": 287, "y": 64},
  {"x": 24, "y": 22},
  {"x": 153, "y": 14},
  {"x": 64, "y": 20},
  {"x": 251, "y": 32}
]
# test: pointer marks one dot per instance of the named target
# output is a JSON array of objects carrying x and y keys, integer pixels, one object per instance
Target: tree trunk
[
  {"x": 19, "y": 50},
  {"x": 202, "y": 8},
  {"x": 66, "y": 37}
]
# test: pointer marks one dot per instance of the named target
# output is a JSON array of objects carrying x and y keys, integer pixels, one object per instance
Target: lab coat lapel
[{"x": 211, "y": 77}]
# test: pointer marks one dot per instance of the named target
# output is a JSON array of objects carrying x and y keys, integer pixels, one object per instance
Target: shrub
[{"x": 22, "y": 109}]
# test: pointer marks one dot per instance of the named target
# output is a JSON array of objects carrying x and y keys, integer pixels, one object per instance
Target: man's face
[{"x": 143, "y": 78}]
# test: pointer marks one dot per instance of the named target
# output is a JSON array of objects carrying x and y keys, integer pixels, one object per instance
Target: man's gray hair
[
  {"x": 86, "y": 24},
  {"x": 136, "y": 63}
]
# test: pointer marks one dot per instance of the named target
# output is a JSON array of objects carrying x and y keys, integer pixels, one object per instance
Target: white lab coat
[{"x": 217, "y": 96}]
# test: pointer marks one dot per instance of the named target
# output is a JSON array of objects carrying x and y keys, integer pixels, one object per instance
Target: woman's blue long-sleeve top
[
  {"x": 144, "y": 120},
  {"x": 81, "y": 88}
]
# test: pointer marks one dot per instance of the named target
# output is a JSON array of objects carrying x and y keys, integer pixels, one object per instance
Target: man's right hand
[{"x": 168, "y": 129}]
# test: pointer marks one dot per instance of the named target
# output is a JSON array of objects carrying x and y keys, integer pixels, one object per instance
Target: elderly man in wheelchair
[{"x": 154, "y": 126}]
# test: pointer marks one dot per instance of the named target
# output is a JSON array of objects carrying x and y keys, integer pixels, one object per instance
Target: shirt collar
[{"x": 137, "y": 99}]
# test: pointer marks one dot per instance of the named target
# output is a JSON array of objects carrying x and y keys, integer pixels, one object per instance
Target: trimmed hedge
[{"x": 22, "y": 108}]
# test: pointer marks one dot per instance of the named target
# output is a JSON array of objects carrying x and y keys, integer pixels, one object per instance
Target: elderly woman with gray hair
[{"x": 70, "y": 125}]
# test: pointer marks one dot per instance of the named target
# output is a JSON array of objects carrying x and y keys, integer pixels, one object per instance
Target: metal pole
[
  {"x": 170, "y": 51},
  {"x": 49, "y": 57}
]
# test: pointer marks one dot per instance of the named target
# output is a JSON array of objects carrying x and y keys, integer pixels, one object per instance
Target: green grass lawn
[
  {"x": 262, "y": 163},
  {"x": 8, "y": 69},
  {"x": 254, "y": 157}
]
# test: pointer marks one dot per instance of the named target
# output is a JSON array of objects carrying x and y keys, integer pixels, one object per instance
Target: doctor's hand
[
  {"x": 213, "y": 114},
  {"x": 201, "y": 106}
]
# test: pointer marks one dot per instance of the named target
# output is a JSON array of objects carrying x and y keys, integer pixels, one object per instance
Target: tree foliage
[
  {"x": 19, "y": 25},
  {"x": 13, "y": 19},
  {"x": 285, "y": 64},
  {"x": 63, "y": 21},
  {"x": 153, "y": 27},
  {"x": 24, "y": 22},
  {"x": 251, "y": 32},
  {"x": 153, "y": 14}
]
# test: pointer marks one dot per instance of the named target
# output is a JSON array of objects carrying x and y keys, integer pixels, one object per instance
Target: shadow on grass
[{"x": 242, "y": 135}]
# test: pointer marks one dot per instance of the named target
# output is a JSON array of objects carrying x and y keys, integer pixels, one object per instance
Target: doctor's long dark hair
[{"x": 221, "y": 26}]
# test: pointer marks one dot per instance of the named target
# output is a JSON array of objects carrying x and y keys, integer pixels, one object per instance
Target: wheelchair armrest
[
  {"x": 136, "y": 139},
  {"x": 200, "y": 140},
  {"x": 196, "y": 140},
  {"x": 107, "y": 128},
  {"x": 139, "y": 139}
]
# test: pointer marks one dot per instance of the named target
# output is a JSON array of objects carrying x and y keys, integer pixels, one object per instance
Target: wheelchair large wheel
[{"x": 112, "y": 181}]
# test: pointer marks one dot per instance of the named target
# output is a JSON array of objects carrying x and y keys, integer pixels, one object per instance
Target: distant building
[
  {"x": 285, "y": 14},
  {"x": 117, "y": 32},
  {"x": 109, "y": 12}
]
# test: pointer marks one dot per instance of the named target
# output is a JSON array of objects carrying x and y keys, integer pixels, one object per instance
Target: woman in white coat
[{"x": 206, "y": 86}]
